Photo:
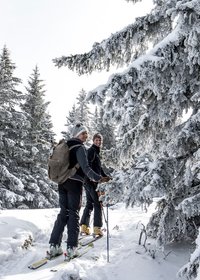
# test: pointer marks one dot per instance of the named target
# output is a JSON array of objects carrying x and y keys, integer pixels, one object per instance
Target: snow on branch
[
  {"x": 15, "y": 182},
  {"x": 191, "y": 206},
  {"x": 8, "y": 198},
  {"x": 191, "y": 269},
  {"x": 189, "y": 6},
  {"x": 121, "y": 47}
]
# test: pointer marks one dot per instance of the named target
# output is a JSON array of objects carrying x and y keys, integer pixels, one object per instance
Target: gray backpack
[{"x": 58, "y": 163}]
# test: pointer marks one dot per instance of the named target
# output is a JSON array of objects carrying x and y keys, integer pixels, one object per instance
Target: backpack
[{"x": 58, "y": 163}]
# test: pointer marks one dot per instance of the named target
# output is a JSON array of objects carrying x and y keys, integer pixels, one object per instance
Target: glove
[
  {"x": 99, "y": 193},
  {"x": 104, "y": 179}
]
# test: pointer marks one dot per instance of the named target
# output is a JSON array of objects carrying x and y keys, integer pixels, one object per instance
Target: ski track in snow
[{"x": 128, "y": 260}]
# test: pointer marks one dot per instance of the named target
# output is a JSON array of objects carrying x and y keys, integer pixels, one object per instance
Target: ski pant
[
  {"x": 70, "y": 194},
  {"x": 92, "y": 202}
]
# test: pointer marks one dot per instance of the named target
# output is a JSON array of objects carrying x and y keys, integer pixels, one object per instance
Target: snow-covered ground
[{"x": 127, "y": 259}]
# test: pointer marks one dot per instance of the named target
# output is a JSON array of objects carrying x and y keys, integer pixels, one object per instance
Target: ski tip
[{"x": 38, "y": 264}]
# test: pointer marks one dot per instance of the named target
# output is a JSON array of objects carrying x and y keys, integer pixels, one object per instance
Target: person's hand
[
  {"x": 100, "y": 193},
  {"x": 104, "y": 179}
]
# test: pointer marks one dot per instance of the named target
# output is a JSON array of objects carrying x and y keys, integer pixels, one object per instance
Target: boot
[
  {"x": 85, "y": 229},
  {"x": 55, "y": 250},
  {"x": 97, "y": 231},
  {"x": 71, "y": 253}
]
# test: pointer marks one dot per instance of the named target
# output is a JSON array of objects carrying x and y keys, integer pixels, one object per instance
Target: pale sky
[{"x": 36, "y": 31}]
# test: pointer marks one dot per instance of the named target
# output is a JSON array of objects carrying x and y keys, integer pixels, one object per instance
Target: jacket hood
[{"x": 74, "y": 141}]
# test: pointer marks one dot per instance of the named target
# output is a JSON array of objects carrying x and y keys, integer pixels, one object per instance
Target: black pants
[
  {"x": 70, "y": 194},
  {"x": 92, "y": 203}
]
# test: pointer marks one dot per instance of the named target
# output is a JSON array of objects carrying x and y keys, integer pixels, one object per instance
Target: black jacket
[
  {"x": 79, "y": 155},
  {"x": 94, "y": 161}
]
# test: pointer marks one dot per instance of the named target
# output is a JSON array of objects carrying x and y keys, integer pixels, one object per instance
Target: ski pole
[
  {"x": 104, "y": 215},
  {"x": 106, "y": 221},
  {"x": 107, "y": 236}
]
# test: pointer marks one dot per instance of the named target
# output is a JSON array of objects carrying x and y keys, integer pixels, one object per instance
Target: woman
[{"x": 70, "y": 194}]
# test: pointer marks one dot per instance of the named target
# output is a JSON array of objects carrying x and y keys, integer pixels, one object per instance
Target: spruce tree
[
  {"x": 24, "y": 143},
  {"x": 70, "y": 122},
  {"x": 159, "y": 149},
  {"x": 79, "y": 114},
  {"x": 107, "y": 130},
  {"x": 38, "y": 142},
  {"x": 10, "y": 97},
  {"x": 36, "y": 109},
  {"x": 83, "y": 111},
  {"x": 83, "y": 114},
  {"x": 95, "y": 119},
  {"x": 11, "y": 133}
]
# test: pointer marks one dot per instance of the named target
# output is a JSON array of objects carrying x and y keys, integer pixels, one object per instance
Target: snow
[{"x": 127, "y": 259}]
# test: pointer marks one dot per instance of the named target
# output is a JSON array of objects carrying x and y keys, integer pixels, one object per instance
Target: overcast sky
[{"x": 36, "y": 31}]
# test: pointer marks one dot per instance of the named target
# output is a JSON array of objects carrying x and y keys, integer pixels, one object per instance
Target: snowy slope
[{"x": 128, "y": 260}]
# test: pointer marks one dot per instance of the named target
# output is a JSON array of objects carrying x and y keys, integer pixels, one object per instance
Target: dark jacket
[
  {"x": 94, "y": 161},
  {"x": 79, "y": 155}
]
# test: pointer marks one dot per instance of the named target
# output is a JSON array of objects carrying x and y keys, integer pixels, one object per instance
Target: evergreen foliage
[
  {"x": 10, "y": 96},
  {"x": 83, "y": 111},
  {"x": 70, "y": 122},
  {"x": 23, "y": 182},
  {"x": 158, "y": 151},
  {"x": 79, "y": 114},
  {"x": 107, "y": 130},
  {"x": 38, "y": 141}
]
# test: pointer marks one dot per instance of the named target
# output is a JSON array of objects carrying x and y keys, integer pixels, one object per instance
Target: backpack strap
[
  {"x": 70, "y": 148},
  {"x": 77, "y": 145}
]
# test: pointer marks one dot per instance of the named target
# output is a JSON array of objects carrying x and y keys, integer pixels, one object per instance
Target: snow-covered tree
[
  {"x": 94, "y": 119},
  {"x": 83, "y": 114},
  {"x": 36, "y": 109},
  {"x": 12, "y": 122},
  {"x": 158, "y": 151},
  {"x": 38, "y": 142},
  {"x": 70, "y": 122},
  {"x": 107, "y": 130},
  {"x": 80, "y": 113},
  {"x": 10, "y": 96},
  {"x": 21, "y": 185}
]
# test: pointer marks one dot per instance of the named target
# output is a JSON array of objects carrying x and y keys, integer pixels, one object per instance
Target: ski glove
[{"x": 104, "y": 179}]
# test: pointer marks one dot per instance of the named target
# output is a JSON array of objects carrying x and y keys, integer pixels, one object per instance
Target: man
[
  {"x": 70, "y": 194},
  {"x": 92, "y": 196}
]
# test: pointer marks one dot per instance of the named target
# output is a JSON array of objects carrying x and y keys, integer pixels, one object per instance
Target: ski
[
  {"x": 90, "y": 240},
  {"x": 66, "y": 261},
  {"x": 84, "y": 240},
  {"x": 44, "y": 261},
  {"x": 83, "y": 236},
  {"x": 38, "y": 264},
  {"x": 41, "y": 262}
]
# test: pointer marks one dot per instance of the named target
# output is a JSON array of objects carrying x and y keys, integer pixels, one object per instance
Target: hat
[{"x": 78, "y": 129}]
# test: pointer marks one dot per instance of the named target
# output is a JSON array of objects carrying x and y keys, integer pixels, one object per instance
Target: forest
[{"x": 148, "y": 115}]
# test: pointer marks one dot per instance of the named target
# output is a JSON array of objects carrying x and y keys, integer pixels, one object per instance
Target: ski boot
[
  {"x": 55, "y": 250},
  {"x": 85, "y": 230},
  {"x": 97, "y": 231}
]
